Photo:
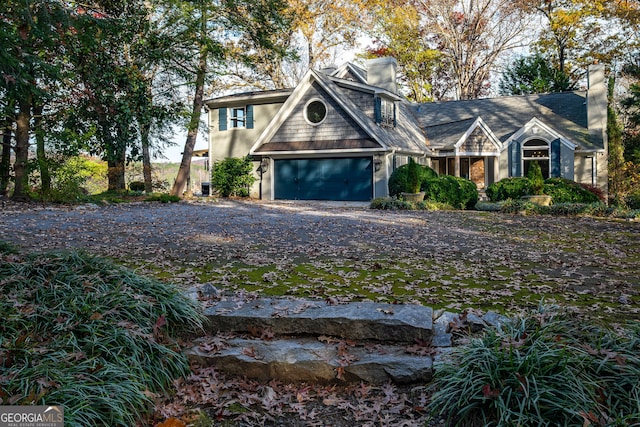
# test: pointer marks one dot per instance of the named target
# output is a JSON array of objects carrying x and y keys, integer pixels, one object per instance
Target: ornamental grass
[
  {"x": 94, "y": 337},
  {"x": 544, "y": 370}
]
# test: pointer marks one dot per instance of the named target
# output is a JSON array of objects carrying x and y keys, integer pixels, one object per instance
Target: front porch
[{"x": 482, "y": 170}]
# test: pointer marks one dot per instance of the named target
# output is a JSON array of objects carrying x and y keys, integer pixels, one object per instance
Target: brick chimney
[
  {"x": 381, "y": 72},
  {"x": 596, "y": 98}
]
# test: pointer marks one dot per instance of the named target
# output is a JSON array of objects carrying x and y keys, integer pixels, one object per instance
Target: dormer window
[
  {"x": 385, "y": 112},
  {"x": 388, "y": 111}
]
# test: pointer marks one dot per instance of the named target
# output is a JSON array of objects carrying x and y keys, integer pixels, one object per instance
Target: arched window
[{"x": 536, "y": 150}]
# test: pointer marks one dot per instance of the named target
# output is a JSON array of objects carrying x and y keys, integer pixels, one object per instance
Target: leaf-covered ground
[{"x": 453, "y": 260}]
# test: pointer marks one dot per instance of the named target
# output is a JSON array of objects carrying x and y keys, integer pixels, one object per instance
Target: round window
[{"x": 316, "y": 112}]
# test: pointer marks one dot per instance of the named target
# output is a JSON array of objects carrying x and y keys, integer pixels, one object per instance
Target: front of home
[{"x": 341, "y": 132}]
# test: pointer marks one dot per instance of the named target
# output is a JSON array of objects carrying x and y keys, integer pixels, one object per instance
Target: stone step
[
  {"x": 314, "y": 361},
  {"x": 353, "y": 321}
]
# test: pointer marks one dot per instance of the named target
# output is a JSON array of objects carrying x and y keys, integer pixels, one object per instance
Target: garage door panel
[{"x": 324, "y": 179}]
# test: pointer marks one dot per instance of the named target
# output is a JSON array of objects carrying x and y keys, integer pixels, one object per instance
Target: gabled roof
[
  {"x": 257, "y": 97},
  {"x": 407, "y": 137},
  {"x": 446, "y": 122},
  {"x": 349, "y": 71},
  {"x": 485, "y": 142}
]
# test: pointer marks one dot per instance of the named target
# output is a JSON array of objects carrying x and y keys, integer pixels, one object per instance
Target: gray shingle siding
[{"x": 337, "y": 125}]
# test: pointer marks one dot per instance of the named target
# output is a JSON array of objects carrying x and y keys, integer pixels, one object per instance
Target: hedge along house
[{"x": 341, "y": 132}]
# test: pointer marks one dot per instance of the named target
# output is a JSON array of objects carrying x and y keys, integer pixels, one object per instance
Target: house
[{"x": 341, "y": 132}]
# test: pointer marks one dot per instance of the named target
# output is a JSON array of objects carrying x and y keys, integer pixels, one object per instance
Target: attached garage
[{"x": 344, "y": 179}]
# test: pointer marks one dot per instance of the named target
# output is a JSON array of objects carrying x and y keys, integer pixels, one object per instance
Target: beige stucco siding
[{"x": 238, "y": 142}]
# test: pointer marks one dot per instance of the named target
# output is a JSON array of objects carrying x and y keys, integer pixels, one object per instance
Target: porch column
[{"x": 457, "y": 163}]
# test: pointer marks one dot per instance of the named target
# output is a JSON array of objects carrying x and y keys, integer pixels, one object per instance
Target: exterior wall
[
  {"x": 503, "y": 165},
  {"x": 381, "y": 178},
  {"x": 237, "y": 142},
  {"x": 591, "y": 169},
  {"x": 336, "y": 126}
]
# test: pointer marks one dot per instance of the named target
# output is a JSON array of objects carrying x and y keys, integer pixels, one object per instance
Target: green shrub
[
  {"x": 458, "y": 192},
  {"x": 74, "y": 178},
  {"x": 518, "y": 206},
  {"x": 632, "y": 201},
  {"x": 80, "y": 331},
  {"x": 542, "y": 370},
  {"x": 398, "y": 181},
  {"x": 536, "y": 179},
  {"x": 566, "y": 191},
  {"x": 136, "y": 186},
  {"x": 413, "y": 177},
  {"x": 509, "y": 188},
  {"x": 392, "y": 203},
  {"x": 233, "y": 177}
]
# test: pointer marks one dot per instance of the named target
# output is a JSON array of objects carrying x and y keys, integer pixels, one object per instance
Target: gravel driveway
[{"x": 579, "y": 255}]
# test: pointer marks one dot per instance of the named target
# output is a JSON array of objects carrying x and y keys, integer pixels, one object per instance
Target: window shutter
[
  {"x": 222, "y": 119},
  {"x": 556, "y": 170},
  {"x": 377, "y": 109},
  {"x": 249, "y": 123},
  {"x": 515, "y": 161}
]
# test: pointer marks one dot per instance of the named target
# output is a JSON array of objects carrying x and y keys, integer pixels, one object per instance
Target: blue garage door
[{"x": 324, "y": 179}]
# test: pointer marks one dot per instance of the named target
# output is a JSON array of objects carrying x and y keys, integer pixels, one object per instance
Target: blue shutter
[
  {"x": 556, "y": 170},
  {"x": 249, "y": 124},
  {"x": 377, "y": 110},
  {"x": 222, "y": 119},
  {"x": 515, "y": 162}
]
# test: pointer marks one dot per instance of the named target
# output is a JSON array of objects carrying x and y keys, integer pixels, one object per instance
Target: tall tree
[
  {"x": 30, "y": 32},
  {"x": 472, "y": 34},
  {"x": 578, "y": 32},
  {"x": 258, "y": 22},
  {"x": 533, "y": 74},
  {"x": 399, "y": 34},
  {"x": 327, "y": 24},
  {"x": 110, "y": 87}
]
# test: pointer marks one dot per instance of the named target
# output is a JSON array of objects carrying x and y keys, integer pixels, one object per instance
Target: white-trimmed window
[
  {"x": 387, "y": 113},
  {"x": 315, "y": 112},
  {"x": 384, "y": 112},
  {"x": 235, "y": 117},
  {"x": 536, "y": 150},
  {"x": 238, "y": 117}
]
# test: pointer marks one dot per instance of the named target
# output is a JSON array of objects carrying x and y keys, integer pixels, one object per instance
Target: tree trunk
[
  {"x": 146, "y": 158},
  {"x": 43, "y": 164},
  {"x": 192, "y": 134},
  {"x": 115, "y": 172},
  {"x": 5, "y": 160},
  {"x": 22, "y": 148}
]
